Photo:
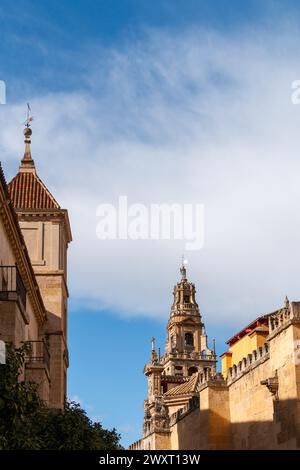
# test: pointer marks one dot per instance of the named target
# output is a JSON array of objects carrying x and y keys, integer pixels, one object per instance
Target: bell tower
[
  {"x": 47, "y": 234},
  {"x": 187, "y": 349},
  {"x": 187, "y": 357}
]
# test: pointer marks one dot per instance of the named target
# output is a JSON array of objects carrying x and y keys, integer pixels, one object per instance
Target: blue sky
[
  {"x": 43, "y": 45},
  {"x": 165, "y": 101}
]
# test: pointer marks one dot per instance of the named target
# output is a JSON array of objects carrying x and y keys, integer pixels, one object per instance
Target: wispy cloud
[
  {"x": 82, "y": 403},
  {"x": 127, "y": 428},
  {"x": 178, "y": 117}
]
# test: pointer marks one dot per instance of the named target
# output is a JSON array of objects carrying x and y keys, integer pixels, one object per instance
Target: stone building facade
[
  {"x": 34, "y": 237},
  {"x": 253, "y": 404}
]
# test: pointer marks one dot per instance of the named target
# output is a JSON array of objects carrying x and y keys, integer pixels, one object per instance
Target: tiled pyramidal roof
[
  {"x": 26, "y": 189},
  {"x": 186, "y": 388}
]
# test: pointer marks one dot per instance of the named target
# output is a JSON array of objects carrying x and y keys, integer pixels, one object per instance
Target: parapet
[
  {"x": 282, "y": 318},
  {"x": 248, "y": 363},
  {"x": 192, "y": 404}
]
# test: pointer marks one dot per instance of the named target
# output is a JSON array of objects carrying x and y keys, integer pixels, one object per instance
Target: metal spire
[{"x": 27, "y": 162}]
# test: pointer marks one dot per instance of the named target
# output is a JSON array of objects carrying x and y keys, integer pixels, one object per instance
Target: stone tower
[
  {"x": 186, "y": 345},
  {"x": 46, "y": 230},
  {"x": 186, "y": 349},
  {"x": 187, "y": 361}
]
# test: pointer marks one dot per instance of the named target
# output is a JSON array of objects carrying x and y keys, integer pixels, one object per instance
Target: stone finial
[
  {"x": 286, "y": 302},
  {"x": 27, "y": 163},
  {"x": 153, "y": 352},
  {"x": 214, "y": 346}
]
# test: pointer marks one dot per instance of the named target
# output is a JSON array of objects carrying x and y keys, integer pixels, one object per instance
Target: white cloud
[
  {"x": 76, "y": 399},
  {"x": 128, "y": 429},
  {"x": 87, "y": 407},
  {"x": 194, "y": 117}
]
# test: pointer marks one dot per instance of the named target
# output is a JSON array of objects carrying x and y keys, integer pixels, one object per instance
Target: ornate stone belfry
[
  {"x": 187, "y": 350},
  {"x": 186, "y": 354}
]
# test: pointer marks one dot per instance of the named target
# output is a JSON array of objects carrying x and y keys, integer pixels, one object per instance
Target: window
[
  {"x": 186, "y": 298},
  {"x": 192, "y": 370},
  {"x": 173, "y": 344},
  {"x": 178, "y": 370},
  {"x": 189, "y": 339}
]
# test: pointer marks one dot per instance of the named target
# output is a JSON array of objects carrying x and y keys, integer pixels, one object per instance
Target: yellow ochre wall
[{"x": 241, "y": 349}]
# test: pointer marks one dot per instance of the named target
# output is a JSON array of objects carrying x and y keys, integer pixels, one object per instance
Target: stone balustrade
[{"x": 193, "y": 355}]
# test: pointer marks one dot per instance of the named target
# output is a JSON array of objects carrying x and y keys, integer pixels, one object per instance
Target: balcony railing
[
  {"x": 193, "y": 355},
  {"x": 188, "y": 305},
  {"x": 39, "y": 353},
  {"x": 11, "y": 282}
]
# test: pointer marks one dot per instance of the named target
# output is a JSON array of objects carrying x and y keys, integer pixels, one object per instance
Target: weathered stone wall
[
  {"x": 218, "y": 410},
  {"x": 187, "y": 432},
  {"x": 39, "y": 374},
  {"x": 284, "y": 358},
  {"x": 47, "y": 248},
  {"x": 206, "y": 426},
  {"x": 162, "y": 441},
  {"x": 57, "y": 370},
  {"x": 16, "y": 323},
  {"x": 6, "y": 254},
  {"x": 12, "y": 323},
  {"x": 251, "y": 409},
  {"x": 257, "y": 407}
]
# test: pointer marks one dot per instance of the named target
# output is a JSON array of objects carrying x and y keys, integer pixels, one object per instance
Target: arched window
[
  {"x": 178, "y": 370},
  {"x": 173, "y": 343},
  {"x": 207, "y": 372},
  {"x": 192, "y": 370},
  {"x": 189, "y": 339}
]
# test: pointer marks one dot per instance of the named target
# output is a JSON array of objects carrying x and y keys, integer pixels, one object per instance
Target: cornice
[
  {"x": 46, "y": 214},
  {"x": 59, "y": 272}
]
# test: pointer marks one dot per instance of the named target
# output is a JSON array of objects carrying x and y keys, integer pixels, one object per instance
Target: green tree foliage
[{"x": 27, "y": 423}]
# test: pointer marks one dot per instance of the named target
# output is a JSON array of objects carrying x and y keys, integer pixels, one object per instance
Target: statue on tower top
[{"x": 183, "y": 268}]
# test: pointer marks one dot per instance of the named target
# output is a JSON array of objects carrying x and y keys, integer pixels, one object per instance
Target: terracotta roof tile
[
  {"x": 27, "y": 191},
  {"x": 186, "y": 388}
]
